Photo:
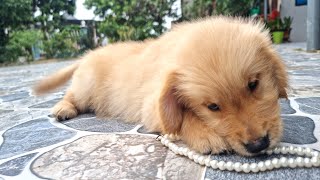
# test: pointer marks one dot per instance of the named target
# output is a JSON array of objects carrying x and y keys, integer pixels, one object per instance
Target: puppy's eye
[
  {"x": 253, "y": 85},
  {"x": 213, "y": 107}
]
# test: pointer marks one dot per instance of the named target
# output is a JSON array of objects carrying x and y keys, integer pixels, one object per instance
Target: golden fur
[{"x": 167, "y": 84}]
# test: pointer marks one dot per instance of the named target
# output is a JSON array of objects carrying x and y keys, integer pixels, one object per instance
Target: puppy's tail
[{"x": 55, "y": 80}]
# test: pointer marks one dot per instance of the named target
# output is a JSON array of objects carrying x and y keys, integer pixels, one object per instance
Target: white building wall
[{"x": 299, "y": 24}]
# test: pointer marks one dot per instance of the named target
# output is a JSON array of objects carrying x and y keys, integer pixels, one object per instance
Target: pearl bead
[
  {"x": 185, "y": 151},
  {"x": 213, "y": 164},
  {"x": 237, "y": 166},
  {"x": 180, "y": 150},
  {"x": 268, "y": 164},
  {"x": 254, "y": 167},
  {"x": 261, "y": 166},
  {"x": 315, "y": 161},
  {"x": 195, "y": 157},
  {"x": 246, "y": 168},
  {"x": 190, "y": 154},
  {"x": 166, "y": 142},
  {"x": 171, "y": 145},
  {"x": 221, "y": 165},
  {"x": 307, "y": 152},
  {"x": 207, "y": 161},
  {"x": 291, "y": 150},
  {"x": 201, "y": 160},
  {"x": 269, "y": 151},
  {"x": 312, "y": 158},
  {"x": 307, "y": 162},
  {"x": 283, "y": 162},
  {"x": 175, "y": 146},
  {"x": 229, "y": 166},
  {"x": 299, "y": 151},
  {"x": 292, "y": 163},
  {"x": 299, "y": 161},
  {"x": 277, "y": 150},
  {"x": 284, "y": 150},
  {"x": 276, "y": 163},
  {"x": 316, "y": 154}
]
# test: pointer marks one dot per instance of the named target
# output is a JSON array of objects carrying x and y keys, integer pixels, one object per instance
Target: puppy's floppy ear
[
  {"x": 280, "y": 74},
  {"x": 170, "y": 110}
]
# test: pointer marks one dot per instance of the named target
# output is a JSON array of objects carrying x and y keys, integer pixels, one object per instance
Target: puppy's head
[{"x": 224, "y": 95}]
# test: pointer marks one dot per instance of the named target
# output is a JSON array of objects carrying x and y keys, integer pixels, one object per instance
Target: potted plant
[
  {"x": 287, "y": 21},
  {"x": 276, "y": 26}
]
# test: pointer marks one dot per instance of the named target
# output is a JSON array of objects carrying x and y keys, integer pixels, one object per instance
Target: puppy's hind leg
[{"x": 65, "y": 109}]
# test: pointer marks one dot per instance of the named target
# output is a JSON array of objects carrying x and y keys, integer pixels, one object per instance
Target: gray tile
[
  {"x": 309, "y": 105},
  {"x": 47, "y": 104},
  {"x": 15, "y": 166},
  {"x": 31, "y": 135},
  {"x": 143, "y": 130},
  {"x": 4, "y": 112},
  {"x": 15, "y": 96},
  {"x": 298, "y": 130},
  {"x": 285, "y": 107},
  {"x": 93, "y": 124},
  {"x": 12, "y": 118}
]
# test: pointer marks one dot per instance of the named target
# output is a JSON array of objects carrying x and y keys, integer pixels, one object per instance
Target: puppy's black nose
[{"x": 258, "y": 145}]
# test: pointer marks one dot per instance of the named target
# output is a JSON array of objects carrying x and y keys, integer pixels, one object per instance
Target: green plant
[
  {"x": 196, "y": 9},
  {"x": 287, "y": 21},
  {"x": 61, "y": 45},
  {"x": 14, "y": 15},
  {"x": 233, "y": 7},
  {"x": 132, "y": 19},
  {"x": 20, "y": 44},
  {"x": 275, "y": 25}
]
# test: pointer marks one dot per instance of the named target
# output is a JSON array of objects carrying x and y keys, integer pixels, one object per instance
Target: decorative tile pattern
[
  {"x": 295, "y": 126},
  {"x": 47, "y": 104},
  {"x": 104, "y": 156},
  {"x": 309, "y": 105},
  {"x": 31, "y": 135},
  {"x": 285, "y": 107},
  {"x": 15, "y": 166},
  {"x": 15, "y": 96},
  {"x": 89, "y": 148},
  {"x": 99, "y": 125}
]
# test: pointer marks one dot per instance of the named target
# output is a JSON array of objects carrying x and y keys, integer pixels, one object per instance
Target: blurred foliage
[
  {"x": 287, "y": 22},
  {"x": 233, "y": 7},
  {"x": 132, "y": 19},
  {"x": 18, "y": 15},
  {"x": 20, "y": 44},
  {"x": 62, "y": 44},
  {"x": 197, "y": 9},
  {"x": 202, "y": 8},
  {"x": 51, "y": 13},
  {"x": 14, "y": 14}
]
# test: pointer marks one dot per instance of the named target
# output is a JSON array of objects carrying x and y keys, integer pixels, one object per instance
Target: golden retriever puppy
[{"x": 214, "y": 82}]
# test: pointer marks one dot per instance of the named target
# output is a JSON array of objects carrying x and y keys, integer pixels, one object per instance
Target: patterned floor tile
[
  {"x": 31, "y": 135},
  {"x": 309, "y": 105},
  {"x": 104, "y": 156},
  {"x": 15, "y": 166},
  {"x": 99, "y": 125}
]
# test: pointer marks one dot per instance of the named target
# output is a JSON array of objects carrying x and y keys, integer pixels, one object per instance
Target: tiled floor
[{"x": 33, "y": 145}]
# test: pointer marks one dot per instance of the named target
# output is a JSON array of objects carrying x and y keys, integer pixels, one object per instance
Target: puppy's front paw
[{"x": 64, "y": 110}]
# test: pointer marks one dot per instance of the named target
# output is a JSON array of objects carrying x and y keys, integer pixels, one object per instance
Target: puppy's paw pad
[{"x": 64, "y": 111}]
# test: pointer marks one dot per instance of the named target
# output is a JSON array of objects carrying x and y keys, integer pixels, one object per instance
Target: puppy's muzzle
[{"x": 258, "y": 145}]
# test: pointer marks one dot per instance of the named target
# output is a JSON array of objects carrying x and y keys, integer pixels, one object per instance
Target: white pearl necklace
[{"x": 311, "y": 158}]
